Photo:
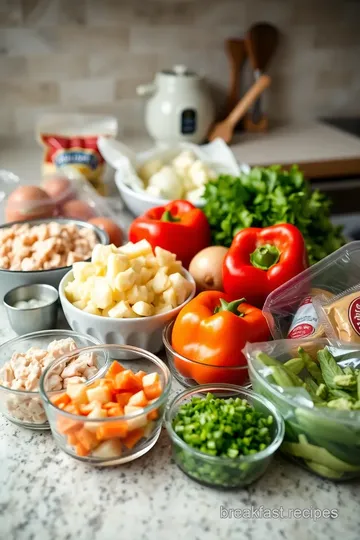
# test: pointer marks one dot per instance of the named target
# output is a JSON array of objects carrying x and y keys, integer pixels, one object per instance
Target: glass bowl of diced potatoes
[
  {"x": 114, "y": 418},
  {"x": 126, "y": 295}
]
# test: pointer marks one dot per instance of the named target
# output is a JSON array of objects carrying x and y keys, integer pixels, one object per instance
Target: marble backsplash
[{"x": 89, "y": 55}]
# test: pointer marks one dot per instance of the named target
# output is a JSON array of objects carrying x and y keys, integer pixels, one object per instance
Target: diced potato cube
[
  {"x": 164, "y": 257},
  {"x": 163, "y": 308},
  {"x": 161, "y": 281},
  {"x": 125, "y": 280},
  {"x": 101, "y": 295},
  {"x": 76, "y": 290},
  {"x": 121, "y": 310},
  {"x": 138, "y": 422},
  {"x": 101, "y": 254},
  {"x": 77, "y": 393},
  {"x": 118, "y": 295},
  {"x": 99, "y": 393},
  {"x": 105, "y": 312},
  {"x": 181, "y": 286},
  {"x": 83, "y": 270},
  {"x": 152, "y": 263},
  {"x": 92, "y": 309},
  {"x": 175, "y": 267},
  {"x": 72, "y": 292},
  {"x": 158, "y": 300},
  {"x": 132, "y": 296},
  {"x": 139, "y": 293},
  {"x": 116, "y": 263},
  {"x": 80, "y": 304},
  {"x": 169, "y": 297},
  {"x": 100, "y": 269},
  {"x": 85, "y": 289},
  {"x": 138, "y": 263},
  {"x": 143, "y": 309},
  {"x": 108, "y": 449},
  {"x": 139, "y": 249},
  {"x": 143, "y": 293},
  {"x": 145, "y": 275},
  {"x": 151, "y": 295},
  {"x": 97, "y": 412},
  {"x": 150, "y": 378},
  {"x": 149, "y": 428}
]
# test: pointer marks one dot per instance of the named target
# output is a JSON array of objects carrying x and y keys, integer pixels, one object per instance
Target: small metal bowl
[{"x": 32, "y": 319}]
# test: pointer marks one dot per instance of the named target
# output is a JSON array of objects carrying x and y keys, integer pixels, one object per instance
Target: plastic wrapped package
[
  {"x": 290, "y": 310},
  {"x": 321, "y": 434},
  {"x": 70, "y": 198},
  {"x": 340, "y": 315},
  {"x": 71, "y": 145}
]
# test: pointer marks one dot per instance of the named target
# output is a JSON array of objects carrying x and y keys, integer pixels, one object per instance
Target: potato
[
  {"x": 129, "y": 281},
  {"x": 101, "y": 294},
  {"x": 143, "y": 309}
]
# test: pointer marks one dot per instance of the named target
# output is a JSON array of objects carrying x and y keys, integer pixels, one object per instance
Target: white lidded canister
[{"x": 179, "y": 109}]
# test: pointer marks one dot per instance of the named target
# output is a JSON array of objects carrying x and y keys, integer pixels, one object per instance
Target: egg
[
  {"x": 76, "y": 209},
  {"x": 28, "y": 202},
  {"x": 113, "y": 231},
  {"x": 59, "y": 188}
]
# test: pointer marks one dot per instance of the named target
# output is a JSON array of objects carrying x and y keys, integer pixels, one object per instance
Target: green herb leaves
[{"x": 266, "y": 196}]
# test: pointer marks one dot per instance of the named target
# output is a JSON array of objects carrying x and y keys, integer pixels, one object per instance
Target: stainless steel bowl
[
  {"x": 32, "y": 319},
  {"x": 14, "y": 278}
]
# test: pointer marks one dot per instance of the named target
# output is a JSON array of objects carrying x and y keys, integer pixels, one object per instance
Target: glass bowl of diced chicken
[
  {"x": 126, "y": 295},
  {"x": 22, "y": 361},
  {"x": 116, "y": 417}
]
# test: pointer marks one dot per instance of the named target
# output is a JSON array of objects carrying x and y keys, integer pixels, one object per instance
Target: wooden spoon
[
  {"x": 260, "y": 43},
  {"x": 235, "y": 49},
  {"x": 225, "y": 129}
]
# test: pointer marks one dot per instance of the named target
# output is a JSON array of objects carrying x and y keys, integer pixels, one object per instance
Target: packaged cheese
[
  {"x": 341, "y": 315},
  {"x": 306, "y": 321},
  {"x": 71, "y": 145}
]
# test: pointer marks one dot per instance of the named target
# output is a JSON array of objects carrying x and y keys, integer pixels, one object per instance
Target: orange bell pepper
[{"x": 212, "y": 331}]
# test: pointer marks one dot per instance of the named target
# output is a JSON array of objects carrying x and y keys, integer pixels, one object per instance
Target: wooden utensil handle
[
  {"x": 248, "y": 99},
  {"x": 235, "y": 49},
  {"x": 259, "y": 127},
  {"x": 233, "y": 96}
]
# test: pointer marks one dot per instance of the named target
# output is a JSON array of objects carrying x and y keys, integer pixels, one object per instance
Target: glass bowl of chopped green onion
[
  {"x": 223, "y": 435},
  {"x": 315, "y": 385}
]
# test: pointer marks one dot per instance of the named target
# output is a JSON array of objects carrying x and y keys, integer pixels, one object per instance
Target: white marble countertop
[
  {"x": 288, "y": 143},
  {"x": 47, "y": 495}
]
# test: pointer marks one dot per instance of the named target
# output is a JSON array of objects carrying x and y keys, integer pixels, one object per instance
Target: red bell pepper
[
  {"x": 210, "y": 333},
  {"x": 179, "y": 227},
  {"x": 260, "y": 260}
]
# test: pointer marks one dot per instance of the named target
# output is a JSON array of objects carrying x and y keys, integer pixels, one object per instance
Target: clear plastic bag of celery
[{"x": 322, "y": 437}]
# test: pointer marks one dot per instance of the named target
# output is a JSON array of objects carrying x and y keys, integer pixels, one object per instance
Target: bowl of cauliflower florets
[
  {"x": 161, "y": 180},
  {"x": 158, "y": 176}
]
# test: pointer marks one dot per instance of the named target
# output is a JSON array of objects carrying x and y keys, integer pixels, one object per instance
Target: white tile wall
[{"x": 91, "y": 54}]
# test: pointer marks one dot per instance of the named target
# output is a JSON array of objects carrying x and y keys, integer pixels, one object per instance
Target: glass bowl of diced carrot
[{"x": 116, "y": 417}]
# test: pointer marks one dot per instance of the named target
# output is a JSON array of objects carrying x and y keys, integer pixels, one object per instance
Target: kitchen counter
[
  {"x": 45, "y": 494},
  {"x": 286, "y": 144},
  {"x": 296, "y": 143}
]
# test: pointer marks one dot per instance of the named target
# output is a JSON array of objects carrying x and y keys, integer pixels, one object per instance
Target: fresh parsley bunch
[{"x": 266, "y": 196}]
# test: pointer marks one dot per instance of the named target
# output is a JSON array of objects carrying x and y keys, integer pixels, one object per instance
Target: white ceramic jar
[{"x": 180, "y": 108}]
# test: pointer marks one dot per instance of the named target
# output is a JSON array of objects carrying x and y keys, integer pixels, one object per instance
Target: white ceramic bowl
[
  {"x": 143, "y": 332},
  {"x": 140, "y": 202}
]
